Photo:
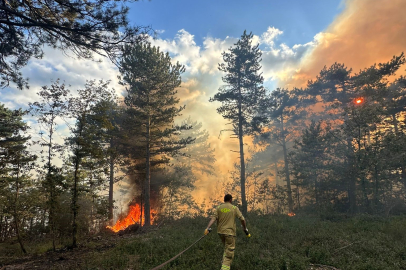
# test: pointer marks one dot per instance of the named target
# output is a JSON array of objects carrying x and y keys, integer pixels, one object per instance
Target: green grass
[{"x": 277, "y": 242}]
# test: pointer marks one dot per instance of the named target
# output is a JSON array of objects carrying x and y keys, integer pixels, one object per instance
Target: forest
[{"x": 330, "y": 154}]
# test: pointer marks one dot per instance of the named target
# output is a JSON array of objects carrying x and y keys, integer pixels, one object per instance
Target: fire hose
[{"x": 175, "y": 257}]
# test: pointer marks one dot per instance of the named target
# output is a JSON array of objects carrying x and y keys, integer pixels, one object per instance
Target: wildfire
[
  {"x": 291, "y": 214},
  {"x": 133, "y": 217},
  {"x": 359, "y": 100}
]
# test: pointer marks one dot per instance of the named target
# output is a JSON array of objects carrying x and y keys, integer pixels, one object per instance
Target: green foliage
[
  {"x": 51, "y": 108},
  {"x": 90, "y": 113},
  {"x": 151, "y": 103},
  {"x": 15, "y": 165},
  {"x": 242, "y": 95},
  {"x": 79, "y": 27}
]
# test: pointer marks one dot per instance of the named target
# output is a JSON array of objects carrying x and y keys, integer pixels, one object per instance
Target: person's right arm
[
  {"x": 244, "y": 225},
  {"x": 242, "y": 220}
]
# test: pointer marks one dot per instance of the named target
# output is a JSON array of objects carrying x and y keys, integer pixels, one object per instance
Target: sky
[
  {"x": 299, "y": 20},
  {"x": 297, "y": 39}
]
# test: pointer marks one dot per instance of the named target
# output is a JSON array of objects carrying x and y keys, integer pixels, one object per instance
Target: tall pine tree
[
  {"x": 241, "y": 95},
  {"x": 152, "y": 80}
]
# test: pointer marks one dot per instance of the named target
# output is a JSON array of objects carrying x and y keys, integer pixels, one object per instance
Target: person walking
[{"x": 225, "y": 215}]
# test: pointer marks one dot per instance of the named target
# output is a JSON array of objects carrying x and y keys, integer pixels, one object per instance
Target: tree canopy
[{"x": 80, "y": 27}]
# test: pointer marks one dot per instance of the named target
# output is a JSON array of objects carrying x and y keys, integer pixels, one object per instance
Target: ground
[{"x": 277, "y": 242}]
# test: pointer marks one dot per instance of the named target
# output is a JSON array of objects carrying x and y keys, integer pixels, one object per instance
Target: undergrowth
[{"x": 277, "y": 242}]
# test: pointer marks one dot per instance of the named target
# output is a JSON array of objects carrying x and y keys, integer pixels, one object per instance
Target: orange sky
[{"x": 366, "y": 32}]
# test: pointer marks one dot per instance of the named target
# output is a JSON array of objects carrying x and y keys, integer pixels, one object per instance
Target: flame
[
  {"x": 291, "y": 214},
  {"x": 133, "y": 217},
  {"x": 359, "y": 100}
]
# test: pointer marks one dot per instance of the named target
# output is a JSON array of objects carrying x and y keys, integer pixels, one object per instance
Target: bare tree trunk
[
  {"x": 242, "y": 160},
  {"x": 376, "y": 195},
  {"x": 142, "y": 207},
  {"x": 75, "y": 201},
  {"x": 51, "y": 188},
  {"x": 276, "y": 174},
  {"x": 316, "y": 189},
  {"x": 111, "y": 187},
  {"x": 75, "y": 206},
  {"x": 287, "y": 174},
  {"x": 20, "y": 241},
  {"x": 147, "y": 210},
  {"x": 298, "y": 197},
  {"x": 350, "y": 164}
]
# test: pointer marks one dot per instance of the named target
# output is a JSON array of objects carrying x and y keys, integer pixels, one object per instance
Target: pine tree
[
  {"x": 241, "y": 95},
  {"x": 53, "y": 105},
  {"x": 15, "y": 165},
  {"x": 152, "y": 80},
  {"x": 285, "y": 120},
  {"x": 338, "y": 88},
  {"x": 89, "y": 110}
]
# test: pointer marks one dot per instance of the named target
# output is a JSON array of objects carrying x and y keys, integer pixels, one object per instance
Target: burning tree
[{"x": 151, "y": 79}]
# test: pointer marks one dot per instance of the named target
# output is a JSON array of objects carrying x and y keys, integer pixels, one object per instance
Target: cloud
[
  {"x": 366, "y": 32},
  {"x": 201, "y": 81},
  {"x": 269, "y": 36}
]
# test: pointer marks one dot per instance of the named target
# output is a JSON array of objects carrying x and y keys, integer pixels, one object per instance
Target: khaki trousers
[{"x": 229, "y": 247}]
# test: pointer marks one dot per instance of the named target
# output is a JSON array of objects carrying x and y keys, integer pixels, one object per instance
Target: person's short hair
[{"x": 228, "y": 198}]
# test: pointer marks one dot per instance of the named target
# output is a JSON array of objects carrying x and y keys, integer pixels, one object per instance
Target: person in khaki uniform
[{"x": 225, "y": 215}]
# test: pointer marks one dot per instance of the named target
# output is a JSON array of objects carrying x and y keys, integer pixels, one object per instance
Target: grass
[{"x": 277, "y": 242}]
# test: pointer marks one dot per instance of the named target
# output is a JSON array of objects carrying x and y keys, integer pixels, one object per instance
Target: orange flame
[
  {"x": 359, "y": 100},
  {"x": 133, "y": 217},
  {"x": 291, "y": 214}
]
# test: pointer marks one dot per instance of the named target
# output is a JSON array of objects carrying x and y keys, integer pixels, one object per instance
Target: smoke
[{"x": 366, "y": 32}]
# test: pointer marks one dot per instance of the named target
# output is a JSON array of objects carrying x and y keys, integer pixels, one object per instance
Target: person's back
[{"x": 225, "y": 216}]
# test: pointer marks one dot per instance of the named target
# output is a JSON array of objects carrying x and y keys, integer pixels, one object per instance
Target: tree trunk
[
  {"x": 288, "y": 185},
  {"x": 351, "y": 175},
  {"x": 376, "y": 195},
  {"x": 316, "y": 188},
  {"x": 287, "y": 175},
  {"x": 111, "y": 190},
  {"x": 276, "y": 174},
  {"x": 51, "y": 184},
  {"x": 75, "y": 206},
  {"x": 402, "y": 166},
  {"x": 147, "y": 179},
  {"x": 20, "y": 241},
  {"x": 75, "y": 201},
  {"x": 242, "y": 160},
  {"x": 298, "y": 197},
  {"x": 142, "y": 207}
]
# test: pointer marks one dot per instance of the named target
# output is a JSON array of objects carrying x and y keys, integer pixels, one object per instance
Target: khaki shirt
[{"x": 225, "y": 215}]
